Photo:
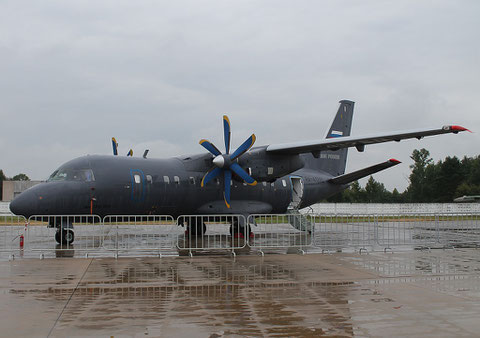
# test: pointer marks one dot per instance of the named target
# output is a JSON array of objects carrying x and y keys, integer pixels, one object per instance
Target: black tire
[
  {"x": 58, "y": 237},
  {"x": 65, "y": 237}
]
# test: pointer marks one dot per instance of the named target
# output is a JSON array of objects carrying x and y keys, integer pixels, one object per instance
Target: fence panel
[
  {"x": 65, "y": 232},
  {"x": 11, "y": 229},
  {"x": 147, "y": 232},
  {"x": 458, "y": 230},
  {"x": 334, "y": 232},
  {"x": 417, "y": 230},
  {"x": 279, "y": 231},
  {"x": 212, "y": 232}
]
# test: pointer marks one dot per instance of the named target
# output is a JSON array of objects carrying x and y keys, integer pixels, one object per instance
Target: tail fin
[{"x": 334, "y": 162}]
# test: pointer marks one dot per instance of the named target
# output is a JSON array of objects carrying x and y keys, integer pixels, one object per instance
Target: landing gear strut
[{"x": 64, "y": 236}]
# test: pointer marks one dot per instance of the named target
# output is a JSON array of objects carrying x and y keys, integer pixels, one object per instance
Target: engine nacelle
[{"x": 263, "y": 166}]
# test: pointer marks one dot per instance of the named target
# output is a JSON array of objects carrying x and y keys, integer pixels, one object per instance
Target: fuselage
[{"x": 114, "y": 185}]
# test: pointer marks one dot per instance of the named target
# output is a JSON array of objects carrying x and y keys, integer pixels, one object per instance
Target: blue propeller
[{"x": 225, "y": 163}]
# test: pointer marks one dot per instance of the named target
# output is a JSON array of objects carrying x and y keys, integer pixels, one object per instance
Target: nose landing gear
[{"x": 64, "y": 236}]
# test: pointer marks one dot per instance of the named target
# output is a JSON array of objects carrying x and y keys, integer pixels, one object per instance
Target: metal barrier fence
[
  {"x": 123, "y": 233},
  {"x": 279, "y": 231},
  {"x": 212, "y": 232},
  {"x": 456, "y": 230},
  {"x": 335, "y": 232},
  {"x": 12, "y": 228},
  {"x": 68, "y": 232},
  {"x": 208, "y": 233}
]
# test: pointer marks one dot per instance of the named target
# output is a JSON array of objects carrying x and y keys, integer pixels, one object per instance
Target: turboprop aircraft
[{"x": 250, "y": 180}]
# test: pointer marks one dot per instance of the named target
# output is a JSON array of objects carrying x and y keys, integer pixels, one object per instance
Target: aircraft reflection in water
[{"x": 264, "y": 179}]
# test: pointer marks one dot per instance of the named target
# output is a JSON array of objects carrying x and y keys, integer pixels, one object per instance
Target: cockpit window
[{"x": 82, "y": 175}]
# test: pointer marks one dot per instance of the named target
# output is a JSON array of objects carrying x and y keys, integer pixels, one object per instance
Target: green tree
[
  {"x": 2, "y": 178},
  {"x": 354, "y": 194},
  {"x": 450, "y": 177},
  {"x": 20, "y": 177},
  {"x": 418, "y": 177},
  {"x": 375, "y": 192}
]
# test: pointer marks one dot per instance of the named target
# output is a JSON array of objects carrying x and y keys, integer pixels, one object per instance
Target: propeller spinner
[{"x": 226, "y": 162}]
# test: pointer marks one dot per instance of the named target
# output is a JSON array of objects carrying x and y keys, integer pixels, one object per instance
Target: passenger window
[
  {"x": 264, "y": 184},
  {"x": 149, "y": 179},
  {"x": 192, "y": 180},
  {"x": 272, "y": 184},
  {"x": 137, "y": 179},
  {"x": 284, "y": 183},
  {"x": 176, "y": 179},
  {"x": 166, "y": 179}
]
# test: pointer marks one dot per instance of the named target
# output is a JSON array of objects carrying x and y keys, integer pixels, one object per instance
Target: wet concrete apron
[{"x": 411, "y": 293}]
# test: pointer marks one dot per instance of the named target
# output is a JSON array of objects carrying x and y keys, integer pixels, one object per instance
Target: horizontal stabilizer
[{"x": 356, "y": 175}]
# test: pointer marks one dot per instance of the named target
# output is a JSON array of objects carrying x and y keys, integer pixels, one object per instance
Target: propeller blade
[
  {"x": 210, "y": 147},
  {"x": 242, "y": 173},
  {"x": 227, "y": 134},
  {"x": 210, "y": 175},
  {"x": 130, "y": 153},
  {"x": 226, "y": 192},
  {"x": 115, "y": 146},
  {"x": 243, "y": 148}
]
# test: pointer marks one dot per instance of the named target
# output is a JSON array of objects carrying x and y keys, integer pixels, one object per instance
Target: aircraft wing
[{"x": 359, "y": 142}]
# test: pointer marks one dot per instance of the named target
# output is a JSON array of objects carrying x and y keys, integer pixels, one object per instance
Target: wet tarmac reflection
[{"x": 341, "y": 295}]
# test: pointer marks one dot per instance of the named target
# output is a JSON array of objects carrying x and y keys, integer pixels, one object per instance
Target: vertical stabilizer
[{"x": 334, "y": 162}]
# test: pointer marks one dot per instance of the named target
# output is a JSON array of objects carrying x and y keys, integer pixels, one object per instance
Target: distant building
[{"x": 12, "y": 189}]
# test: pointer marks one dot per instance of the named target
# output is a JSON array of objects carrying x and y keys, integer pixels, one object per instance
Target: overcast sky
[{"x": 160, "y": 75}]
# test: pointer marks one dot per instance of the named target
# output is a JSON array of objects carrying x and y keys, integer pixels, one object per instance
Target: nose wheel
[{"x": 64, "y": 236}]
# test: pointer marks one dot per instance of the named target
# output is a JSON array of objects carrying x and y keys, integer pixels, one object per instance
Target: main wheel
[
  {"x": 64, "y": 236},
  {"x": 197, "y": 227}
]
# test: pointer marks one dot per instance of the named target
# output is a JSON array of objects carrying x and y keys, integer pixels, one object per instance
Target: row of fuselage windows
[{"x": 191, "y": 180}]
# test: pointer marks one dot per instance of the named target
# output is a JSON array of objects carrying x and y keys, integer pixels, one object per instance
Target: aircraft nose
[{"x": 24, "y": 204}]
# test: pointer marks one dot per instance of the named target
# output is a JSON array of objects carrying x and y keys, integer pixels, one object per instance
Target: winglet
[
  {"x": 392, "y": 160},
  {"x": 459, "y": 128}
]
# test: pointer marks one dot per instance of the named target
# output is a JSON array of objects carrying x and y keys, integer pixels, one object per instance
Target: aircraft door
[
  {"x": 297, "y": 191},
  {"x": 138, "y": 185}
]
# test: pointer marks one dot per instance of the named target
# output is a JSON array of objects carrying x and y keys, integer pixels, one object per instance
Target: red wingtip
[
  {"x": 459, "y": 128},
  {"x": 394, "y": 161}
]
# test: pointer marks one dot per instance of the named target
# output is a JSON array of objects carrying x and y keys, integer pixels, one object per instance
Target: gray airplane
[{"x": 250, "y": 180}]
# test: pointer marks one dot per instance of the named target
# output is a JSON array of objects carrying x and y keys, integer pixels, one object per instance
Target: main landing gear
[{"x": 196, "y": 226}]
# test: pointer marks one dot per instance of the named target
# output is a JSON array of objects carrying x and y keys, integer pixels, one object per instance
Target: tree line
[{"x": 429, "y": 182}]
